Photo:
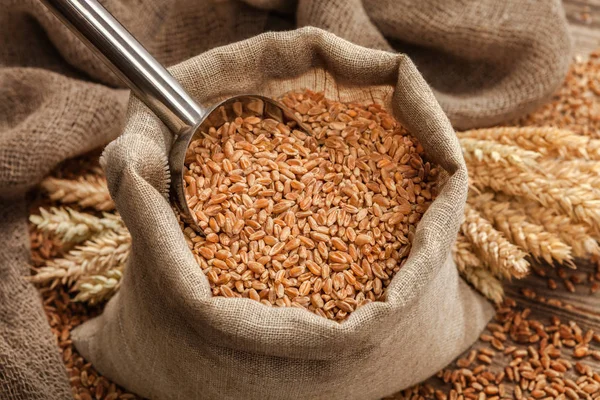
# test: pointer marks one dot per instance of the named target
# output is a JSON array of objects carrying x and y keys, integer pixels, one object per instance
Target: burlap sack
[
  {"x": 47, "y": 114},
  {"x": 487, "y": 61},
  {"x": 58, "y": 101},
  {"x": 30, "y": 366},
  {"x": 165, "y": 336}
]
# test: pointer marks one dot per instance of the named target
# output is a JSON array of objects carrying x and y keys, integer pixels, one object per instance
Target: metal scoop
[{"x": 153, "y": 84}]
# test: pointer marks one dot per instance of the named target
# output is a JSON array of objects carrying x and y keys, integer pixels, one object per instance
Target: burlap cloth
[{"x": 485, "y": 61}]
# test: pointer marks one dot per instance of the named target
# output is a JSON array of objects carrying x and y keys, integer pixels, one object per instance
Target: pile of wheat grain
[
  {"x": 520, "y": 356},
  {"x": 320, "y": 221},
  {"x": 534, "y": 197},
  {"x": 530, "y": 357}
]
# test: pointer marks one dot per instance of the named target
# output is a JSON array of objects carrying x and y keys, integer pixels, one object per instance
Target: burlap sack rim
[{"x": 404, "y": 288}]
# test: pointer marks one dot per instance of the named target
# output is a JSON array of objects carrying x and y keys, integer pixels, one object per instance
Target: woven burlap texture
[
  {"x": 165, "y": 336},
  {"x": 59, "y": 101},
  {"x": 47, "y": 114},
  {"x": 485, "y": 60},
  {"x": 30, "y": 366}
]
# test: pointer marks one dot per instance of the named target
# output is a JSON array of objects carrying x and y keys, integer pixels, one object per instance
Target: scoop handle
[{"x": 129, "y": 60}]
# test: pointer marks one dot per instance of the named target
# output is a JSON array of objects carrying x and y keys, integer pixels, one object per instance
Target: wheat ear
[
  {"x": 485, "y": 282},
  {"x": 464, "y": 255},
  {"x": 580, "y": 202},
  {"x": 97, "y": 288},
  {"x": 530, "y": 237},
  {"x": 106, "y": 251},
  {"x": 87, "y": 191},
  {"x": 578, "y": 236},
  {"x": 73, "y": 227},
  {"x": 487, "y": 151},
  {"x": 504, "y": 258},
  {"x": 548, "y": 141}
]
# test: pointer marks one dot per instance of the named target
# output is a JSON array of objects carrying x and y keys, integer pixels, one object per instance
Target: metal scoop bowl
[{"x": 158, "y": 89}]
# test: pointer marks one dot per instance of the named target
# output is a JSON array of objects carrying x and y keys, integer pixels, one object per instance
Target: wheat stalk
[
  {"x": 576, "y": 235},
  {"x": 485, "y": 282},
  {"x": 87, "y": 191},
  {"x": 97, "y": 288},
  {"x": 580, "y": 202},
  {"x": 548, "y": 141},
  {"x": 531, "y": 237},
  {"x": 73, "y": 227},
  {"x": 578, "y": 172},
  {"x": 103, "y": 252},
  {"x": 464, "y": 255},
  {"x": 551, "y": 165},
  {"x": 473, "y": 270},
  {"x": 504, "y": 258},
  {"x": 487, "y": 151}
]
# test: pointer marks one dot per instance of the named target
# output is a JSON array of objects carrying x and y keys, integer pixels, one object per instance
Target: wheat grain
[
  {"x": 574, "y": 106},
  {"x": 530, "y": 237},
  {"x": 320, "y": 222},
  {"x": 504, "y": 258},
  {"x": 63, "y": 316},
  {"x": 87, "y": 191},
  {"x": 534, "y": 357}
]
